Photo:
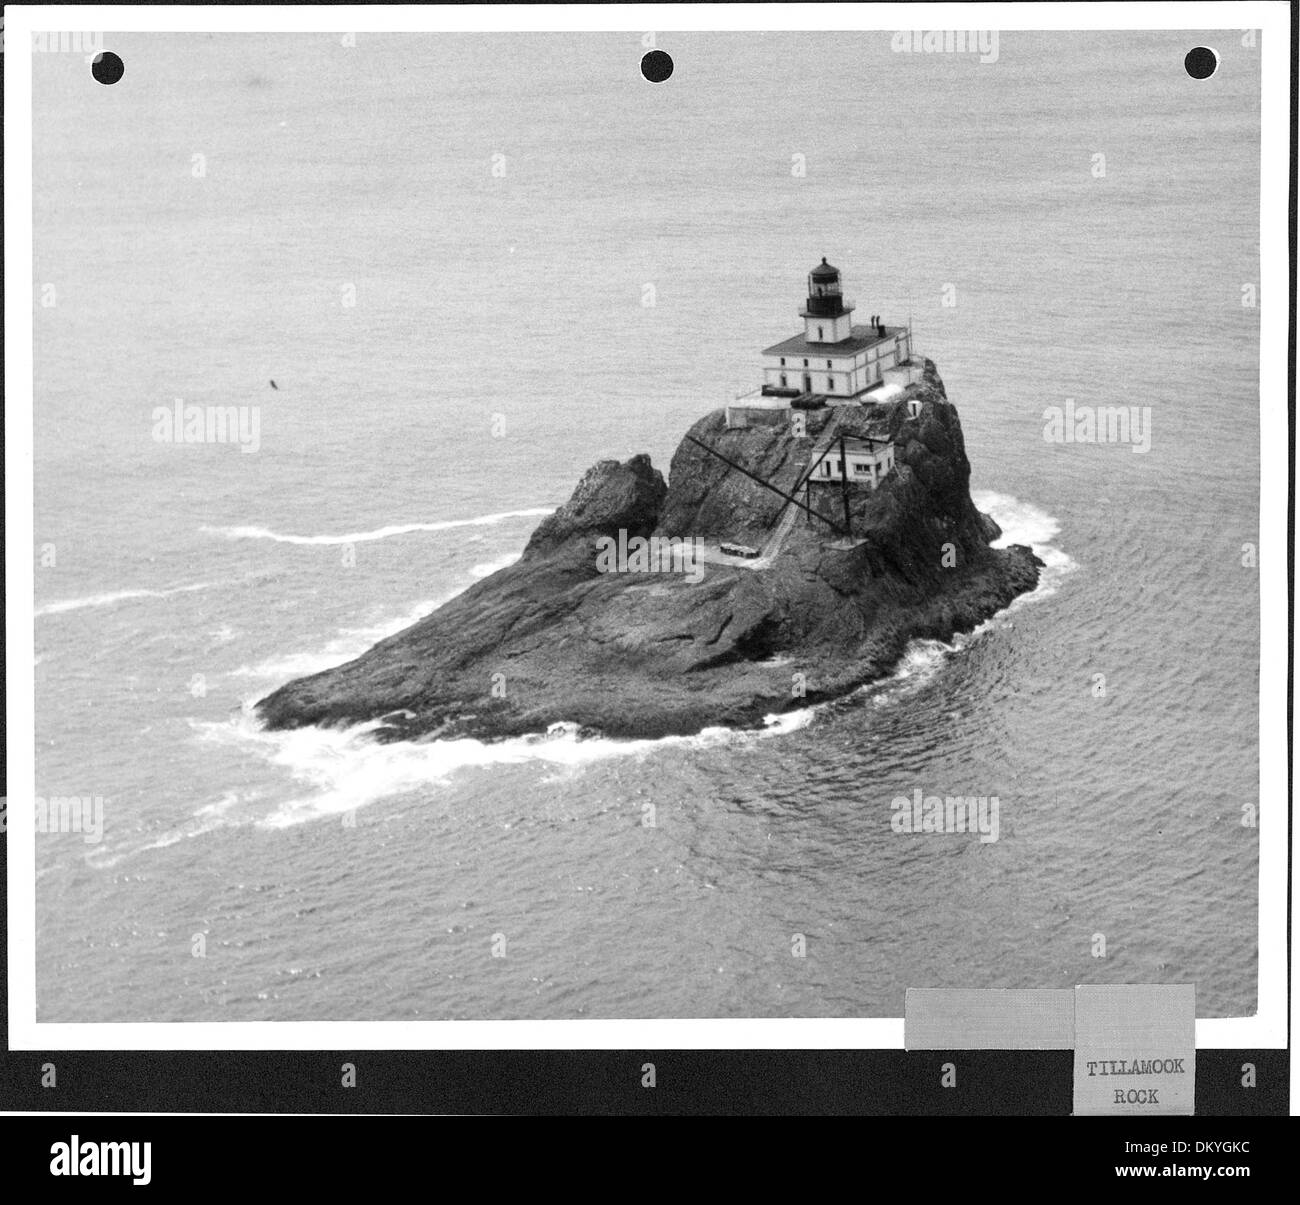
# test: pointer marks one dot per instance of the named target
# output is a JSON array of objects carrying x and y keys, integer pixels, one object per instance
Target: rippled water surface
[{"x": 498, "y": 346}]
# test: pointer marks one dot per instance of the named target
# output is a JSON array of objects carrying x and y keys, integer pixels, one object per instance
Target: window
[
  {"x": 830, "y": 382},
  {"x": 805, "y": 363},
  {"x": 829, "y": 364},
  {"x": 819, "y": 334},
  {"x": 782, "y": 361},
  {"x": 783, "y": 378}
]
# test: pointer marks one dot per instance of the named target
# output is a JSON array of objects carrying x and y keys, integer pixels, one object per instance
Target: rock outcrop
[{"x": 554, "y": 639}]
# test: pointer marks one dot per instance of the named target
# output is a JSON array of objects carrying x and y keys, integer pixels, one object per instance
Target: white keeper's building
[
  {"x": 865, "y": 461},
  {"x": 832, "y": 357}
]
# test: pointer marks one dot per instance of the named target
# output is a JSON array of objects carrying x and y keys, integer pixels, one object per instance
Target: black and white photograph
[{"x": 613, "y": 525}]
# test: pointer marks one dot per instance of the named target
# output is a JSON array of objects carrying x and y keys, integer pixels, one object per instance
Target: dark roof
[
  {"x": 862, "y": 338},
  {"x": 825, "y": 271}
]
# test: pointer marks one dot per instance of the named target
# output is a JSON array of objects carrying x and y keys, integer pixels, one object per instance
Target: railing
[{"x": 833, "y": 306}]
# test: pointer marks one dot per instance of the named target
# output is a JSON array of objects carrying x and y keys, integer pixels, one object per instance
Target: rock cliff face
[{"x": 552, "y": 638}]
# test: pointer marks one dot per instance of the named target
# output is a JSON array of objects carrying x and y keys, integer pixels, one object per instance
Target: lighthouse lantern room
[{"x": 828, "y": 318}]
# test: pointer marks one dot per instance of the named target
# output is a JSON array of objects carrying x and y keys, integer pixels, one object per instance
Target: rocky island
[{"x": 828, "y": 576}]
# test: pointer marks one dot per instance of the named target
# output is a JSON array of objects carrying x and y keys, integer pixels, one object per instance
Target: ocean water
[{"x": 501, "y": 210}]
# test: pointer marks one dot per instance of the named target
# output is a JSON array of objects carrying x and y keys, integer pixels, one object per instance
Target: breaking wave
[
  {"x": 117, "y": 596},
  {"x": 337, "y": 771},
  {"x": 1024, "y": 523},
  {"x": 380, "y": 533},
  {"x": 1021, "y": 523},
  {"x": 349, "y": 643},
  {"x": 488, "y": 568},
  {"x": 352, "y": 642},
  {"x": 341, "y": 770}
]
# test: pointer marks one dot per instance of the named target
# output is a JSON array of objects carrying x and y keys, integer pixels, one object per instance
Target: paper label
[{"x": 1135, "y": 1049}]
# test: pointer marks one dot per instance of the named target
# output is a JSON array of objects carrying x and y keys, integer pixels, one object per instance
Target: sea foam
[
  {"x": 338, "y": 770},
  {"x": 109, "y": 599},
  {"x": 380, "y": 533}
]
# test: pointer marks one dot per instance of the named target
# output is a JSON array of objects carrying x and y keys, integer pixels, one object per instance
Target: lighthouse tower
[{"x": 827, "y": 317}]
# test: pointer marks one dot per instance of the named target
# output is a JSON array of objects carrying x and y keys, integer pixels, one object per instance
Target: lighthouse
[{"x": 833, "y": 362}]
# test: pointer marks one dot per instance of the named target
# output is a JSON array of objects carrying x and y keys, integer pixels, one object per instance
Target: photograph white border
[{"x": 1267, "y": 1029}]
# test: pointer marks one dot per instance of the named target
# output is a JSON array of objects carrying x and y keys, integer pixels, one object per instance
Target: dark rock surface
[{"x": 552, "y": 639}]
